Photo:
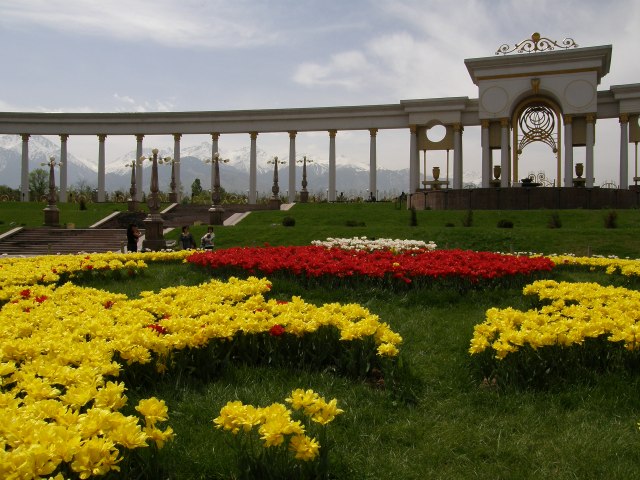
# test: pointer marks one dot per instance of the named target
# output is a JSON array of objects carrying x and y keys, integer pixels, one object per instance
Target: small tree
[
  {"x": 38, "y": 183},
  {"x": 196, "y": 188}
]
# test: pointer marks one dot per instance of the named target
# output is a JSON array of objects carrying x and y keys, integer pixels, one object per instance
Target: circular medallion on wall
[
  {"x": 579, "y": 93},
  {"x": 494, "y": 99}
]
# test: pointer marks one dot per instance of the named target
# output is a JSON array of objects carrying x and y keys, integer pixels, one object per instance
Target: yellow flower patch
[{"x": 575, "y": 312}]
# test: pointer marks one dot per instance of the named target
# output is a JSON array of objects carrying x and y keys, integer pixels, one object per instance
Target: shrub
[
  {"x": 449, "y": 224},
  {"x": 611, "y": 219},
  {"x": 83, "y": 204},
  {"x": 288, "y": 221},
  {"x": 554, "y": 221},
  {"x": 467, "y": 221},
  {"x": 354, "y": 223},
  {"x": 505, "y": 223},
  {"x": 413, "y": 221}
]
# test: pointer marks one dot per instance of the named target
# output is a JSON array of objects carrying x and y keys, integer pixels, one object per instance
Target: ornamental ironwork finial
[{"x": 536, "y": 44}]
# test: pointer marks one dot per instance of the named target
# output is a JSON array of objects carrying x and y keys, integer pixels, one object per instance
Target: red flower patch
[
  {"x": 158, "y": 328},
  {"x": 277, "y": 330}
]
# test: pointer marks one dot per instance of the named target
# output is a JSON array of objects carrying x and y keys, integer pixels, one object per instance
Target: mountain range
[{"x": 351, "y": 179}]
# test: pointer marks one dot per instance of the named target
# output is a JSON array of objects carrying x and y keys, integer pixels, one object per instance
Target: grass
[
  {"x": 438, "y": 423},
  {"x": 583, "y": 232}
]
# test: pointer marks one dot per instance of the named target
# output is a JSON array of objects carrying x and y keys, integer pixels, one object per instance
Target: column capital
[
  {"x": 332, "y": 133},
  {"x": 624, "y": 118},
  {"x": 254, "y": 135},
  {"x": 485, "y": 123},
  {"x": 292, "y": 133},
  {"x": 591, "y": 118},
  {"x": 177, "y": 136},
  {"x": 64, "y": 137},
  {"x": 373, "y": 131},
  {"x": 567, "y": 119},
  {"x": 457, "y": 127},
  {"x": 413, "y": 128},
  {"x": 25, "y": 137},
  {"x": 215, "y": 136},
  {"x": 504, "y": 122},
  {"x": 139, "y": 136},
  {"x": 102, "y": 137}
]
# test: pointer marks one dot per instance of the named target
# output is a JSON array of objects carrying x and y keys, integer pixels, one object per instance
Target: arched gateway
[{"x": 535, "y": 91}]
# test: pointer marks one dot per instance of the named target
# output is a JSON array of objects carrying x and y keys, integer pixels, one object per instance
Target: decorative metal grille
[
  {"x": 536, "y": 44},
  {"x": 537, "y": 124}
]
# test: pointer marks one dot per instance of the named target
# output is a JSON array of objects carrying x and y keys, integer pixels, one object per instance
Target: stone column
[
  {"x": 624, "y": 151},
  {"x": 332, "y": 166},
  {"x": 414, "y": 160},
  {"x": 591, "y": 139},
  {"x": 253, "y": 162},
  {"x": 140, "y": 169},
  {"x": 373, "y": 168},
  {"x": 214, "y": 149},
  {"x": 487, "y": 168},
  {"x": 24, "y": 172},
  {"x": 63, "y": 168},
  {"x": 176, "y": 164},
  {"x": 505, "y": 176},
  {"x": 292, "y": 166},
  {"x": 101, "y": 166},
  {"x": 457, "y": 155},
  {"x": 568, "y": 151}
]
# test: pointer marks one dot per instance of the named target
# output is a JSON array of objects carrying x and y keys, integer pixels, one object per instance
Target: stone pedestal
[
  {"x": 216, "y": 215},
  {"x": 274, "y": 204},
  {"x": 51, "y": 216},
  {"x": 304, "y": 197},
  {"x": 173, "y": 197},
  {"x": 153, "y": 233},
  {"x": 132, "y": 205},
  {"x": 579, "y": 182}
]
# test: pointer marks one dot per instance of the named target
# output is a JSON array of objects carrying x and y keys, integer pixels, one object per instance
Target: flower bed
[
  {"x": 404, "y": 267},
  {"x": 364, "y": 243},
  {"x": 62, "y": 347},
  {"x": 17, "y": 272},
  {"x": 579, "y": 327},
  {"x": 611, "y": 265}
]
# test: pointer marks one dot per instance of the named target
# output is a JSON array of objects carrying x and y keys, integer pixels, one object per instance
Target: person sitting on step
[{"x": 206, "y": 241}]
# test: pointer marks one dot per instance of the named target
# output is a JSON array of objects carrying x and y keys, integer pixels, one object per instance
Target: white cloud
[{"x": 213, "y": 24}]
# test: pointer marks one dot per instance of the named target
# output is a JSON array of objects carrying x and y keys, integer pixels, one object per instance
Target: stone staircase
[
  {"x": 50, "y": 241},
  {"x": 108, "y": 235}
]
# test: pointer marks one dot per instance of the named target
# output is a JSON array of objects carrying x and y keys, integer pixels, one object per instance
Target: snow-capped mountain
[
  {"x": 40, "y": 150},
  {"x": 352, "y": 179}
]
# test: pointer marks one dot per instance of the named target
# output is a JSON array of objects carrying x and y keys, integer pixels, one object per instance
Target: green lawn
[
  {"x": 437, "y": 421},
  {"x": 582, "y": 231}
]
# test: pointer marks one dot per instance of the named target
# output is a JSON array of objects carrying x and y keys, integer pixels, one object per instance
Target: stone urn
[
  {"x": 497, "y": 169},
  {"x": 579, "y": 170},
  {"x": 436, "y": 173}
]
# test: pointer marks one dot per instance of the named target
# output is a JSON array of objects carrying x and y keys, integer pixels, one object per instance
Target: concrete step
[{"x": 44, "y": 241}]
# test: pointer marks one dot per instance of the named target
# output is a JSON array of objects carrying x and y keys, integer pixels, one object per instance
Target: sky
[{"x": 191, "y": 55}]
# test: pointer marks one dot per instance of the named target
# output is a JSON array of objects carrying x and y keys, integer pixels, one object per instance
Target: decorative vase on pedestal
[
  {"x": 436, "y": 173},
  {"x": 497, "y": 170},
  {"x": 579, "y": 170}
]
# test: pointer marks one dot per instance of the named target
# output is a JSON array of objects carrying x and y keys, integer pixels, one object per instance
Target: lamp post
[
  {"x": 173, "y": 195},
  {"x": 274, "y": 201},
  {"x": 153, "y": 235},
  {"x": 133, "y": 201},
  {"x": 216, "y": 212},
  {"x": 304, "y": 193},
  {"x": 51, "y": 211}
]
